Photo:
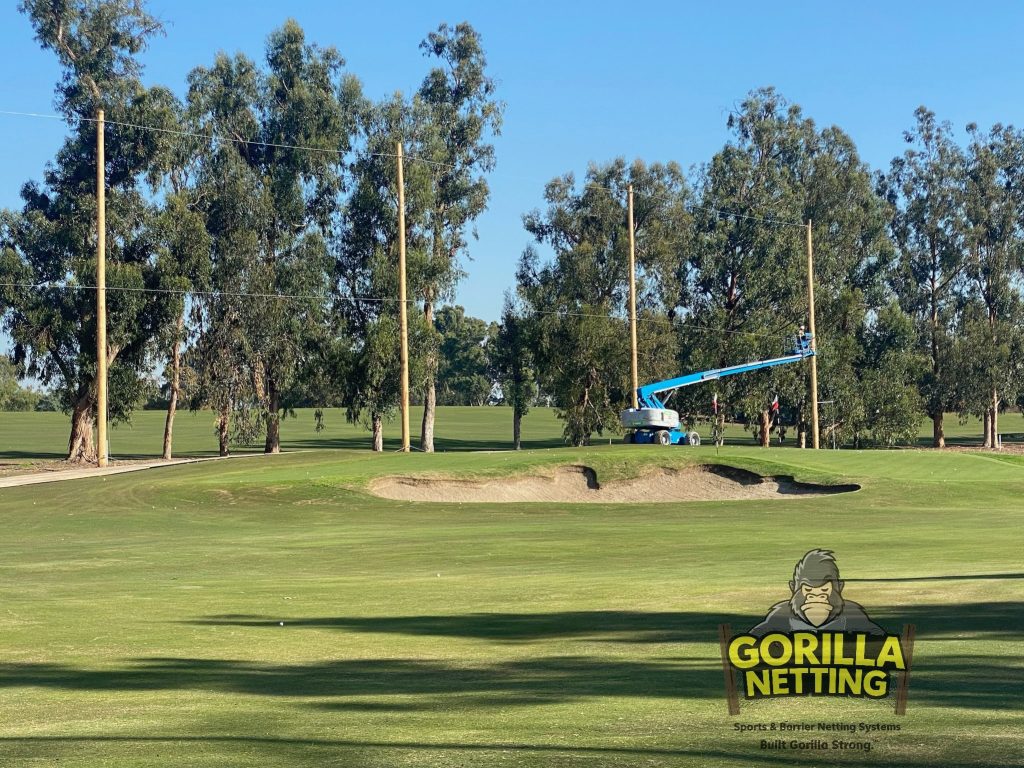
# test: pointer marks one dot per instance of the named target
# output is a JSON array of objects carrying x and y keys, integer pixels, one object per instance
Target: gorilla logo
[{"x": 816, "y": 603}]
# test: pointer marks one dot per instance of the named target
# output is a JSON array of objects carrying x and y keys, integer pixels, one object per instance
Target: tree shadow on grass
[
  {"x": 955, "y": 680},
  {"x": 41, "y": 455},
  {"x": 950, "y": 577},
  {"x": 970, "y": 441},
  {"x": 990, "y": 620},
  {"x": 520, "y": 682},
  {"x": 353, "y": 752},
  {"x": 441, "y": 444},
  {"x": 980, "y": 681},
  {"x": 608, "y": 626}
]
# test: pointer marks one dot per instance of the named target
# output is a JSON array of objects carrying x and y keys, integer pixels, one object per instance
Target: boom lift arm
[
  {"x": 653, "y": 422},
  {"x": 648, "y": 395}
]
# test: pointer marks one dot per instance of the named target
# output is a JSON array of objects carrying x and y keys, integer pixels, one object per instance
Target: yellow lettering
[
  {"x": 758, "y": 680},
  {"x": 780, "y": 685},
  {"x": 798, "y": 679},
  {"x": 819, "y": 673},
  {"x": 742, "y": 653},
  {"x": 863, "y": 660},
  {"x": 766, "y": 649},
  {"x": 840, "y": 659},
  {"x": 850, "y": 681},
  {"x": 805, "y": 646},
  {"x": 876, "y": 683},
  {"x": 891, "y": 653}
]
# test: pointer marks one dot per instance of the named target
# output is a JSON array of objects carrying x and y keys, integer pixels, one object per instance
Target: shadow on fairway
[
  {"x": 971, "y": 441},
  {"x": 951, "y": 577},
  {"x": 981, "y": 681},
  {"x": 441, "y": 444},
  {"x": 997, "y": 620},
  {"x": 521, "y": 682},
  {"x": 608, "y": 626},
  {"x": 985, "y": 681},
  {"x": 41, "y": 455},
  {"x": 351, "y": 751}
]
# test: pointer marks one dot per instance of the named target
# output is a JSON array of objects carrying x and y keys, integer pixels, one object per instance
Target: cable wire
[
  {"x": 373, "y": 299},
  {"x": 227, "y": 139},
  {"x": 617, "y": 194}
]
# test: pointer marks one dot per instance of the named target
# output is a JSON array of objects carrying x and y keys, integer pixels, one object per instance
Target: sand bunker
[{"x": 578, "y": 484}]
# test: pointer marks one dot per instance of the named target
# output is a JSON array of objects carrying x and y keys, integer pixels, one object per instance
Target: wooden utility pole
[
  {"x": 814, "y": 337},
  {"x": 101, "y": 295},
  {"x": 402, "y": 310},
  {"x": 632, "y": 298}
]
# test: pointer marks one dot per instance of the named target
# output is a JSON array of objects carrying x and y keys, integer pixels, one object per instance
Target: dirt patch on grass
[
  {"x": 579, "y": 484},
  {"x": 42, "y": 466}
]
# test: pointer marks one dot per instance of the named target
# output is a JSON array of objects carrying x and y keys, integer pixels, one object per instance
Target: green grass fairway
[
  {"x": 25, "y": 437},
  {"x": 142, "y": 613}
]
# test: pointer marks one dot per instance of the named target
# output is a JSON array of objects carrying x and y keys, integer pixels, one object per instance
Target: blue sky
[{"x": 590, "y": 81}]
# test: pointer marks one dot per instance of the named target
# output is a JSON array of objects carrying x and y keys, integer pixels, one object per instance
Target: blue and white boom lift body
[{"x": 653, "y": 422}]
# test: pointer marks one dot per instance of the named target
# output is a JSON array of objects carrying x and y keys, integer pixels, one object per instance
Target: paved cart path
[{"x": 78, "y": 473}]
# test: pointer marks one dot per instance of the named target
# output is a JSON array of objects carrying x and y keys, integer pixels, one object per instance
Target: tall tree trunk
[
  {"x": 430, "y": 390},
  {"x": 766, "y": 429},
  {"x": 517, "y": 427},
  {"x": 81, "y": 449},
  {"x": 172, "y": 402},
  {"x": 994, "y": 421},
  {"x": 223, "y": 429},
  {"x": 378, "y": 432},
  {"x": 986, "y": 427},
  {"x": 273, "y": 443},
  {"x": 938, "y": 434}
]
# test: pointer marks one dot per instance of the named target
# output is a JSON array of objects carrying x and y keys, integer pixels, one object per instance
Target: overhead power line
[
  {"x": 367, "y": 299},
  {"x": 189, "y": 292},
  {"x": 218, "y": 137},
  {"x": 617, "y": 194}
]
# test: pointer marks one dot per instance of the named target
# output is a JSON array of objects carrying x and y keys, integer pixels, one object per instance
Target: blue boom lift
[{"x": 653, "y": 422}]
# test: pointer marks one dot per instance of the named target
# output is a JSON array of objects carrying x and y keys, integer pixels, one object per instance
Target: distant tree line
[
  {"x": 251, "y": 230},
  {"x": 14, "y": 396},
  {"x": 252, "y": 254},
  {"x": 918, "y": 279}
]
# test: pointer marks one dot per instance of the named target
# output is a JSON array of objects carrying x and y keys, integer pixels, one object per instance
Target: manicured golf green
[{"x": 269, "y": 611}]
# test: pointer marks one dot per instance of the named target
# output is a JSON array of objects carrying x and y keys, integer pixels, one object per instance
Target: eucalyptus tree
[
  {"x": 925, "y": 187},
  {"x": 13, "y": 396},
  {"x": 307, "y": 103},
  {"x": 463, "y": 375},
  {"x": 511, "y": 360},
  {"x": 222, "y": 104},
  {"x": 744, "y": 286},
  {"x": 182, "y": 242},
  {"x": 462, "y": 117},
  {"x": 852, "y": 254},
  {"x": 891, "y": 362},
  {"x": 994, "y": 206},
  {"x": 53, "y": 238},
  {"x": 366, "y": 259},
  {"x": 745, "y": 281},
  {"x": 287, "y": 129},
  {"x": 576, "y": 303}
]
